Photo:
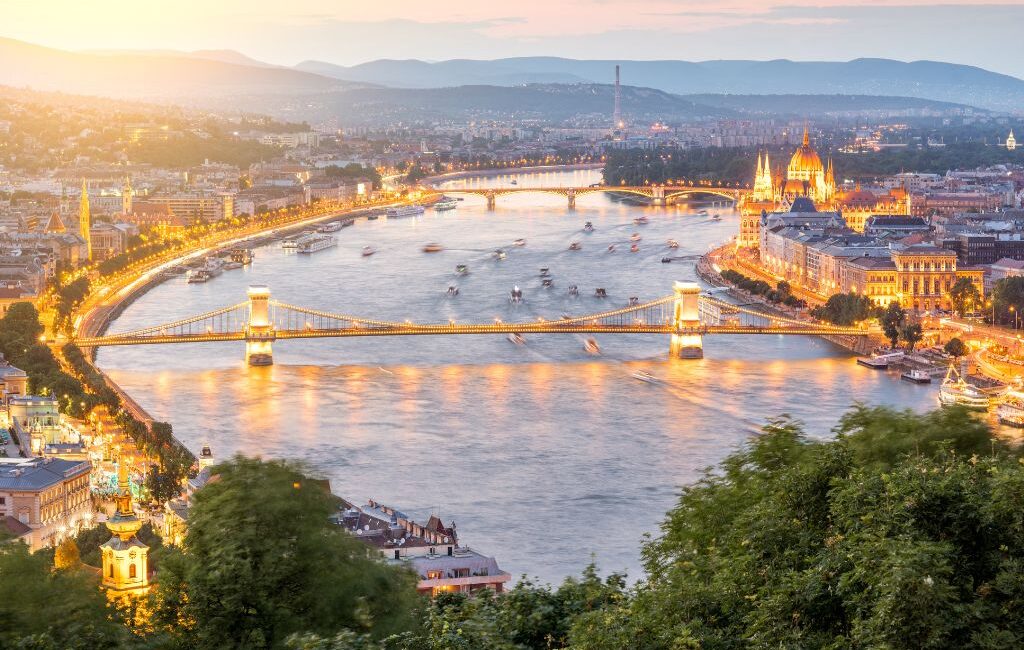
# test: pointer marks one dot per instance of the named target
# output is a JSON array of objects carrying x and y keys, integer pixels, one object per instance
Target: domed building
[{"x": 807, "y": 176}]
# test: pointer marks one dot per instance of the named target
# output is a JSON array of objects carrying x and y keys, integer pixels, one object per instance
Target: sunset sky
[{"x": 987, "y": 34}]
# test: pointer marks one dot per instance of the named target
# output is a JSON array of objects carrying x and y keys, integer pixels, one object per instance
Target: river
[{"x": 543, "y": 455}]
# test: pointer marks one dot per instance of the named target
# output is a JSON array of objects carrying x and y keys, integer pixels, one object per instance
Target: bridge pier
[
  {"x": 658, "y": 195},
  {"x": 259, "y": 331},
  {"x": 570, "y": 195},
  {"x": 686, "y": 341},
  {"x": 492, "y": 200}
]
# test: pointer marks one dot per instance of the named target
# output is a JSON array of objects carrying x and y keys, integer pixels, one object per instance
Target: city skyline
[{"x": 974, "y": 33}]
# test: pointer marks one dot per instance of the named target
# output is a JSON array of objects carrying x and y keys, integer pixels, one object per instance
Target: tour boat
[
  {"x": 211, "y": 268},
  {"x": 453, "y": 290},
  {"x": 574, "y": 290},
  {"x": 315, "y": 243},
  {"x": 516, "y": 295},
  {"x": 880, "y": 361},
  {"x": 600, "y": 293},
  {"x": 368, "y": 251},
  {"x": 241, "y": 256},
  {"x": 634, "y": 249},
  {"x": 290, "y": 243},
  {"x": 547, "y": 283},
  {"x": 433, "y": 247},
  {"x": 916, "y": 376},
  {"x": 591, "y": 346},
  {"x": 333, "y": 226},
  {"x": 588, "y": 227},
  {"x": 517, "y": 338},
  {"x": 635, "y": 237},
  {"x": 519, "y": 242},
  {"x": 955, "y": 391},
  {"x": 405, "y": 211},
  {"x": 673, "y": 243},
  {"x": 445, "y": 203},
  {"x": 641, "y": 220},
  {"x": 462, "y": 269},
  {"x": 1010, "y": 410},
  {"x": 575, "y": 246},
  {"x": 499, "y": 254},
  {"x": 645, "y": 376}
]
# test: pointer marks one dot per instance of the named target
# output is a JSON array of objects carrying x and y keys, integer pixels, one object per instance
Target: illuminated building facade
[
  {"x": 125, "y": 557},
  {"x": 44, "y": 499},
  {"x": 84, "y": 225}
]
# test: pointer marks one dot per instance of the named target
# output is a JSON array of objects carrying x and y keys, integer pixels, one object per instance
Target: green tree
[
  {"x": 903, "y": 532},
  {"x": 1008, "y": 293},
  {"x": 844, "y": 309},
  {"x": 955, "y": 348},
  {"x": 162, "y": 486},
  {"x": 47, "y": 609},
  {"x": 893, "y": 319},
  {"x": 66, "y": 555},
  {"x": 964, "y": 295},
  {"x": 261, "y": 561},
  {"x": 912, "y": 334}
]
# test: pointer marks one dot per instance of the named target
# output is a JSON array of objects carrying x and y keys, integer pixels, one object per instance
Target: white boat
[
  {"x": 880, "y": 361},
  {"x": 591, "y": 346},
  {"x": 702, "y": 213},
  {"x": 211, "y": 268},
  {"x": 333, "y": 226},
  {"x": 519, "y": 242},
  {"x": 290, "y": 243},
  {"x": 916, "y": 376},
  {"x": 1010, "y": 410},
  {"x": 673, "y": 243},
  {"x": 645, "y": 376},
  {"x": 517, "y": 338},
  {"x": 314, "y": 243},
  {"x": 368, "y": 251},
  {"x": 575, "y": 246},
  {"x": 433, "y": 247},
  {"x": 635, "y": 237},
  {"x": 955, "y": 391},
  {"x": 405, "y": 211},
  {"x": 445, "y": 203}
]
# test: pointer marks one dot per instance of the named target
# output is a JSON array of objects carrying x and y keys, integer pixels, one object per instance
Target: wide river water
[{"x": 543, "y": 455}]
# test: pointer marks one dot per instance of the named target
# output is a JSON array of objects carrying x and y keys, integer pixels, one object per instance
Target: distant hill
[
  {"x": 924, "y": 79},
  {"x": 531, "y": 101},
  {"x": 821, "y": 105},
  {"x": 183, "y": 78}
]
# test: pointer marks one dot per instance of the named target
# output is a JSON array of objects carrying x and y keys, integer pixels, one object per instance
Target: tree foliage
[
  {"x": 845, "y": 309},
  {"x": 1008, "y": 298},
  {"x": 955, "y": 348},
  {"x": 964, "y": 296},
  {"x": 892, "y": 320},
  {"x": 261, "y": 561}
]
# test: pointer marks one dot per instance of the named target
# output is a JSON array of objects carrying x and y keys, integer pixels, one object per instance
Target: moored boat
[
  {"x": 314, "y": 243},
  {"x": 880, "y": 361},
  {"x": 1010, "y": 409},
  {"x": 916, "y": 376},
  {"x": 955, "y": 391},
  {"x": 405, "y": 211},
  {"x": 333, "y": 226},
  {"x": 445, "y": 203}
]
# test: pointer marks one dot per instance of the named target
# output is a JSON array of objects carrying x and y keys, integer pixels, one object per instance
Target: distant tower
[
  {"x": 126, "y": 196},
  {"x": 617, "y": 113},
  {"x": 1011, "y": 142},
  {"x": 125, "y": 557},
  {"x": 83, "y": 220},
  {"x": 205, "y": 458}
]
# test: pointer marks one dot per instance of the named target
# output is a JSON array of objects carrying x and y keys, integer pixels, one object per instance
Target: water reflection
[{"x": 542, "y": 453}]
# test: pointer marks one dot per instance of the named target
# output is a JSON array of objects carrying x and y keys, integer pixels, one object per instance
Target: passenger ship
[
  {"x": 955, "y": 391},
  {"x": 446, "y": 203},
  {"x": 316, "y": 243},
  {"x": 405, "y": 211},
  {"x": 1010, "y": 410}
]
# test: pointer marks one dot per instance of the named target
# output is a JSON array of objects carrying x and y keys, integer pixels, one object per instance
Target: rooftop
[{"x": 34, "y": 474}]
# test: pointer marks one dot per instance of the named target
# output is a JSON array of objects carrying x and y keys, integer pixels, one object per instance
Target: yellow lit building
[
  {"x": 925, "y": 274},
  {"x": 125, "y": 557}
]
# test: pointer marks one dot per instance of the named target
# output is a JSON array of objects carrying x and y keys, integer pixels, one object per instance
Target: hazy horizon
[{"x": 983, "y": 34}]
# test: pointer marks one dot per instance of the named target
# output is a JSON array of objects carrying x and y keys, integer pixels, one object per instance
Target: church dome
[{"x": 806, "y": 159}]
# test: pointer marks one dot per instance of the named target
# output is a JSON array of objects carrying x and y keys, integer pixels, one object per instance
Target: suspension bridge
[
  {"x": 685, "y": 316},
  {"x": 656, "y": 194}
]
